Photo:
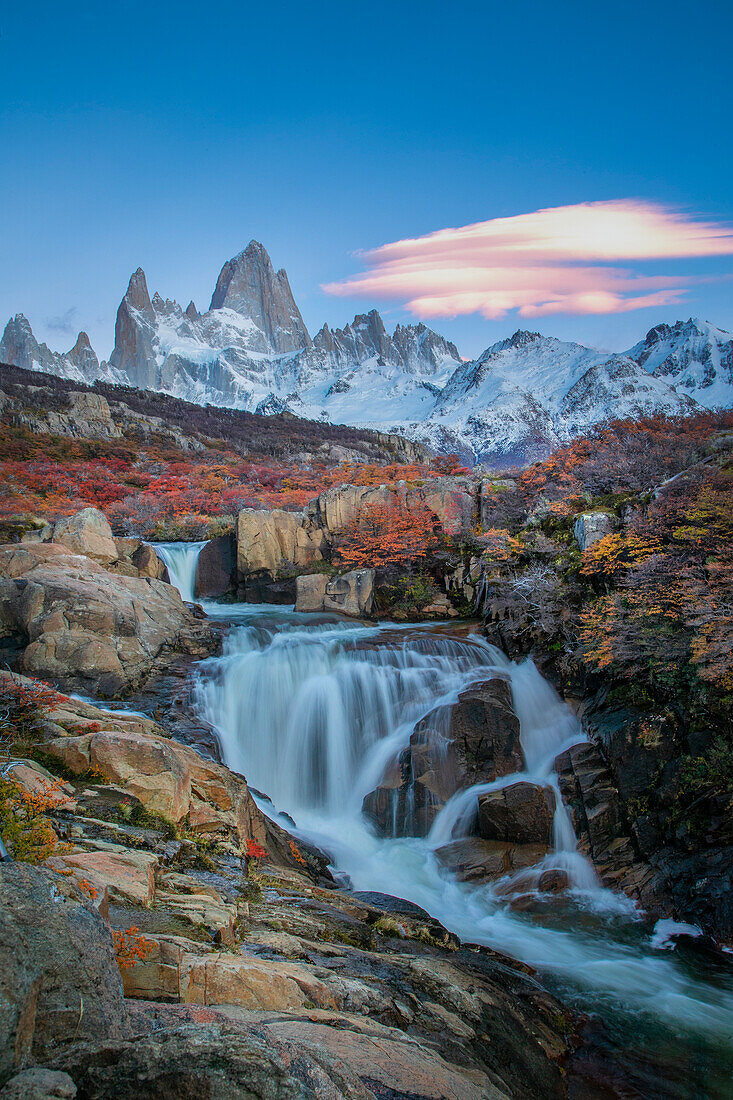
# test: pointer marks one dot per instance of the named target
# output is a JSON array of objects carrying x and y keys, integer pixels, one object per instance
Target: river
[{"x": 312, "y": 709}]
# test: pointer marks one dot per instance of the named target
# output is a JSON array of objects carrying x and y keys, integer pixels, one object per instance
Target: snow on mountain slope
[
  {"x": 524, "y": 395},
  {"x": 693, "y": 356},
  {"x": 252, "y": 350},
  {"x": 20, "y": 347}
]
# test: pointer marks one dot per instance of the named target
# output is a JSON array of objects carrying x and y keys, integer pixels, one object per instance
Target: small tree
[{"x": 388, "y": 535}]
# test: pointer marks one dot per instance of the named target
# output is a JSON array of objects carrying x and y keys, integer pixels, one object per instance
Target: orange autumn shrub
[{"x": 130, "y": 947}]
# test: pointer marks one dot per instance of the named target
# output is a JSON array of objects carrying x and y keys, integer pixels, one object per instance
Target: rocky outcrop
[
  {"x": 475, "y": 741},
  {"x": 590, "y": 527},
  {"x": 167, "y": 778},
  {"x": 276, "y": 541},
  {"x": 59, "y": 981},
  {"x": 621, "y": 789},
  {"x": 451, "y": 500},
  {"x": 81, "y": 414},
  {"x": 85, "y": 627},
  {"x": 275, "y": 546}
]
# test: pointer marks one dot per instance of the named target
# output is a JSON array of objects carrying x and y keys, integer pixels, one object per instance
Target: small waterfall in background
[
  {"x": 315, "y": 712},
  {"x": 181, "y": 559}
]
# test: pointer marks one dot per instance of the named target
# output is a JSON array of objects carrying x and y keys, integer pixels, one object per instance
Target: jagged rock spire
[{"x": 249, "y": 285}]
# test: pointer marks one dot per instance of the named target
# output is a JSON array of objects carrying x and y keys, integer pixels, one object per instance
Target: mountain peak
[
  {"x": 249, "y": 285},
  {"x": 522, "y": 338},
  {"x": 137, "y": 291}
]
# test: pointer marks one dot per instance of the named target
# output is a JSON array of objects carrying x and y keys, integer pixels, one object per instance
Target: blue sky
[{"x": 168, "y": 135}]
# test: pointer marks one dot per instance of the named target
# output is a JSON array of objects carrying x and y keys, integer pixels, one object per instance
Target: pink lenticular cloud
[{"x": 559, "y": 260}]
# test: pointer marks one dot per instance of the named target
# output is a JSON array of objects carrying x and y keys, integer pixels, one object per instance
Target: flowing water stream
[
  {"x": 312, "y": 710},
  {"x": 181, "y": 558}
]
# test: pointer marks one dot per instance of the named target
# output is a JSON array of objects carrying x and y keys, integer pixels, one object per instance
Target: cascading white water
[
  {"x": 181, "y": 559},
  {"x": 313, "y": 712}
]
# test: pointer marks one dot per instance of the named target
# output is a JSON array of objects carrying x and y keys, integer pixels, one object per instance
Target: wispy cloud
[
  {"x": 560, "y": 260},
  {"x": 65, "y": 323}
]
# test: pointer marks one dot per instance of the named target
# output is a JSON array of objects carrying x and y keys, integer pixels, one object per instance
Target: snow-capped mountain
[
  {"x": 20, "y": 348},
  {"x": 693, "y": 356},
  {"x": 252, "y": 350},
  {"x": 524, "y": 395}
]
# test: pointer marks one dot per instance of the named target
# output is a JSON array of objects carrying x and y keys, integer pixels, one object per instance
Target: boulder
[
  {"x": 87, "y": 628},
  {"x": 168, "y": 778},
  {"x": 216, "y": 569},
  {"x": 521, "y": 813},
  {"x": 350, "y": 594},
  {"x": 590, "y": 527},
  {"x": 474, "y": 860},
  {"x": 59, "y": 979},
  {"x": 128, "y": 876},
  {"x": 310, "y": 592},
  {"x": 172, "y": 780},
  {"x": 475, "y": 741},
  {"x": 200, "y": 1059},
  {"x": 89, "y": 533},
  {"x": 39, "y": 1084},
  {"x": 484, "y": 731}
]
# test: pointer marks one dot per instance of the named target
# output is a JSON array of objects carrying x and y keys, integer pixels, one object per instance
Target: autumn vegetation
[{"x": 646, "y": 612}]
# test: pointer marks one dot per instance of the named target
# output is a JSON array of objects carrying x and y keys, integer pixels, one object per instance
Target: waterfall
[
  {"x": 314, "y": 711},
  {"x": 181, "y": 559}
]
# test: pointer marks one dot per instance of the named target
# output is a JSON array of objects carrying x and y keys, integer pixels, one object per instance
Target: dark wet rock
[
  {"x": 261, "y": 588},
  {"x": 485, "y": 732},
  {"x": 390, "y": 903},
  {"x": 216, "y": 569},
  {"x": 600, "y": 824},
  {"x": 475, "y": 860},
  {"x": 521, "y": 813},
  {"x": 475, "y": 741}
]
